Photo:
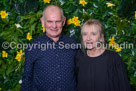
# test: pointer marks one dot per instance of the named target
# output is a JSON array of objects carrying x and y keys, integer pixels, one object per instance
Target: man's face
[{"x": 53, "y": 23}]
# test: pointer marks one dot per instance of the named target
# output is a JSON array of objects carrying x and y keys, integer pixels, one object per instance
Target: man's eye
[
  {"x": 49, "y": 22},
  {"x": 58, "y": 21}
]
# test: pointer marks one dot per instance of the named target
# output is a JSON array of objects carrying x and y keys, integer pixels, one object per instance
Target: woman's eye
[
  {"x": 84, "y": 34},
  {"x": 93, "y": 34}
]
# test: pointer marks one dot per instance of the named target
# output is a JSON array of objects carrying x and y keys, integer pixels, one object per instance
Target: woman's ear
[
  {"x": 42, "y": 22},
  {"x": 101, "y": 38}
]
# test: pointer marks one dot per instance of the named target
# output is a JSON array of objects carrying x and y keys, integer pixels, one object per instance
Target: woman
[{"x": 99, "y": 69}]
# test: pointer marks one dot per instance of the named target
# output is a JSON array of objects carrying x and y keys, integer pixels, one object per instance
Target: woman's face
[{"x": 91, "y": 36}]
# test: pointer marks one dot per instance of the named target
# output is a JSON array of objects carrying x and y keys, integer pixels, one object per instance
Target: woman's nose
[{"x": 89, "y": 37}]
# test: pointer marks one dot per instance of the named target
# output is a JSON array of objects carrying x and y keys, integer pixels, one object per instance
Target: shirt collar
[{"x": 50, "y": 40}]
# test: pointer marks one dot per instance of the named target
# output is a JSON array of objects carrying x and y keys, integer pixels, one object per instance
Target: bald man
[{"x": 51, "y": 69}]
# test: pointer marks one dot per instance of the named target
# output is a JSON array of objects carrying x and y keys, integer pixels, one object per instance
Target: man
[{"x": 53, "y": 68}]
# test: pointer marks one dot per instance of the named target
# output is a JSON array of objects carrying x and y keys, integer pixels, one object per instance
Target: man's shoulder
[
  {"x": 38, "y": 39},
  {"x": 69, "y": 39}
]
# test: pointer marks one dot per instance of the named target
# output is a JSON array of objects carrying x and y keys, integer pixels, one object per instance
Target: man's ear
[
  {"x": 41, "y": 19},
  {"x": 64, "y": 21}
]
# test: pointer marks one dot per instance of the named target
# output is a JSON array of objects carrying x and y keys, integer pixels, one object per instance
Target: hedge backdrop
[{"x": 20, "y": 24}]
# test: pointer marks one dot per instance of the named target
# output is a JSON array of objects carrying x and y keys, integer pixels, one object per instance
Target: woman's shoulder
[
  {"x": 111, "y": 53},
  {"x": 114, "y": 56}
]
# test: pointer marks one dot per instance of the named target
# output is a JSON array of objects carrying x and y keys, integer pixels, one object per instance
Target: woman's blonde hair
[{"x": 89, "y": 23}]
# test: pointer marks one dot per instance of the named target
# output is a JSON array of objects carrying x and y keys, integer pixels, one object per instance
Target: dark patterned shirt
[{"x": 49, "y": 65}]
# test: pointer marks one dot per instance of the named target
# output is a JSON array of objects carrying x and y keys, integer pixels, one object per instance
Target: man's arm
[{"x": 27, "y": 80}]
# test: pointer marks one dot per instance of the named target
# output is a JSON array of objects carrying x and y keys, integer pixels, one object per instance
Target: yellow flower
[
  {"x": 19, "y": 55},
  {"x": 0, "y": 88},
  {"x": 75, "y": 19},
  {"x": 3, "y": 14},
  {"x": 116, "y": 46},
  {"x": 29, "y": 37},
  {"x": 118, "y": 49},
  {"x": 43, "y": 28},
  {"x": 110, "y": 4},
  {"x": 135, "y": 14},
  {"x": 83, "y": 2},
  {"x": 112, "y": 39},
  {"x": 18, "y": 58},
  {"x": 46, "y": 1},
  {"x": 4, "y": 54},
  {"x": 112, "y": 44},
  {"x": 77, "y": 23},
  {"x": 69, "y": 21}
]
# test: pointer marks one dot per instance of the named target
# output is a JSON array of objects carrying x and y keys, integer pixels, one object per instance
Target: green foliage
[{"x": 119, "y": 21}]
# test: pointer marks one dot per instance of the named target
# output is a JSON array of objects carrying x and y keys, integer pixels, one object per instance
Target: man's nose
[{"x": 54, "y": 25}]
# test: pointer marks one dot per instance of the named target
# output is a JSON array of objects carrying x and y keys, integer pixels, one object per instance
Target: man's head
[{"x": 53, "y": 21}]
